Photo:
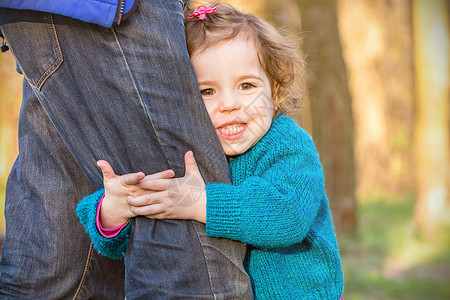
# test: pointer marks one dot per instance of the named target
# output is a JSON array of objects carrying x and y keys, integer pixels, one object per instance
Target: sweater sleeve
[
  {"x": 111, "y": 247},
  {"x": 276, "y": 208}
]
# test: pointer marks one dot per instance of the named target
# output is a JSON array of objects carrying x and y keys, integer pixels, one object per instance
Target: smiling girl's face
[{"x": 236, "y": 92}]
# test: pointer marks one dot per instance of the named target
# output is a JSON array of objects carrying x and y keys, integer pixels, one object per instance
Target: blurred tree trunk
[
  {"x": 431, "y": 45},
  {"x": 10, "y": 100},
  {"x": 377, "y": 43},
  {"x": 331, "y": 107}
]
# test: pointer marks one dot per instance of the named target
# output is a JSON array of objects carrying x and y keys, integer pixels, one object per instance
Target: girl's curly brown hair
[{"x": 281, "y": 60}]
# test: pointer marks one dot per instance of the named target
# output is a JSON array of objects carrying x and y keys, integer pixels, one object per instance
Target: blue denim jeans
[{"x": 127, "y": 95}]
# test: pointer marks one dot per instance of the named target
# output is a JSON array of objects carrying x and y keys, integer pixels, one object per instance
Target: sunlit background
[{"x": 378, "y": 109}]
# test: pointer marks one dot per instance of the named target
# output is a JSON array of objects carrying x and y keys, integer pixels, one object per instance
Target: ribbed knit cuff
[
  {"x": 223, "y": 211},
  {"x": 111, "y": 247}
]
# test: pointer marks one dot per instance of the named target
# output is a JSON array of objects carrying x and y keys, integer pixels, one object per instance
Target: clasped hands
[{"x": 155, "y": 196}]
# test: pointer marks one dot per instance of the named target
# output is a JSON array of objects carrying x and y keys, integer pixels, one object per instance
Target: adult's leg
[
  {"x": 46, "y": 250},
  {"x": 128, "y": 95}
]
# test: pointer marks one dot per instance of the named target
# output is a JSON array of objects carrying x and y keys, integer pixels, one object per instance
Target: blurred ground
[{"x": 386, "y": 260}]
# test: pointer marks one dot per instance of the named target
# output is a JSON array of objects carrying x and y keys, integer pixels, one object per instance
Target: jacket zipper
[{"x": 121, "y": 9}]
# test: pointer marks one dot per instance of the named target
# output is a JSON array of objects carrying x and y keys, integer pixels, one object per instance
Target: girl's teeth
[{"x": 231, "y": 129}]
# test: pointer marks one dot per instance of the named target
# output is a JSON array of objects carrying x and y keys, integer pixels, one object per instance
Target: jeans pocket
[{"x": 36, "y": 48}]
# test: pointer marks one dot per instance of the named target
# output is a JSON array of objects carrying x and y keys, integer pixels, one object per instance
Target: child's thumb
[
  {"x": 191, "y": 164},
  {"x": 107, "y": 170}
]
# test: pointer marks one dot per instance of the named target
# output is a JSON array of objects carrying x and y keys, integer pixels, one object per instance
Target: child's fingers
[
  {"x": 167, "y": 174},
  {"x": 149, "y": 183},
  {"x": 132, "y": 178},
  {"x": 148, "y": 210},
  {"x": 155, "y": 184},
  {"x": 107, "y": 170},
  {"x": 191, "y": 164},
  {"x": 146, "y": 199}
]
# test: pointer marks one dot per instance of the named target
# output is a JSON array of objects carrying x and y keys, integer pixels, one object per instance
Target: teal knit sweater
[{"x": 277, "y": 206}]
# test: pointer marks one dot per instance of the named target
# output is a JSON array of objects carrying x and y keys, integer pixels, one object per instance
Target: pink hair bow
[{"x": 201, "y": 11}]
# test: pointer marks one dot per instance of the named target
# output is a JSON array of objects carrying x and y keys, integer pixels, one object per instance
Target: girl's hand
[
  {"x": 176, "y": 198},
  {"x": 115, "y": 210}
]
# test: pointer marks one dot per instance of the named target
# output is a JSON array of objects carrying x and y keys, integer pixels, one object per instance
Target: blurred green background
[{"x": 378, "y": 109}]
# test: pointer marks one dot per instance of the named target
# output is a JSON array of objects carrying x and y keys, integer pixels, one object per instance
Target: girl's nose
[{"x": 229, "y": 102}]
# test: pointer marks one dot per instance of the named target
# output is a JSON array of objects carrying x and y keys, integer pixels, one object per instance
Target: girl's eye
[
  {"x": 246, "y": 86},
  {"x": 207, "y": 92}
]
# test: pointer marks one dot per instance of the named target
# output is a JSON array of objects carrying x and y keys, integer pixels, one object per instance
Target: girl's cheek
[{"x": 209, "y": 107}]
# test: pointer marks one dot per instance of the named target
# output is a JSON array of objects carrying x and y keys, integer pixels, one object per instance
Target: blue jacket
[{"x": 105, "y": 13}]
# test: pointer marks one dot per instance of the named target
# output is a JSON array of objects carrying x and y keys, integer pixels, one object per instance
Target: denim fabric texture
[{"x": 127, "y": 95}]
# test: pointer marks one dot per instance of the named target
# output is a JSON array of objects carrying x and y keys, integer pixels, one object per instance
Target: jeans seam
[
  {"x": 206, "y": 260},
  {"x": 58, "y": 61},
  {"x": 139, "y": 95},
  {"x": 85, "y": 272}
]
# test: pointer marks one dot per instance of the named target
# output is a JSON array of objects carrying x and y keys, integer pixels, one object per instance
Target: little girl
[{"x": 277, "y": 203}]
